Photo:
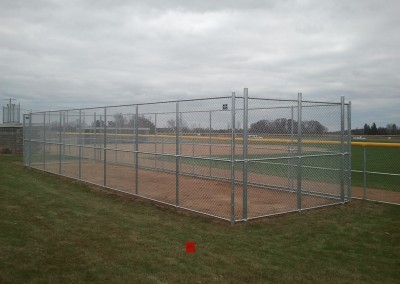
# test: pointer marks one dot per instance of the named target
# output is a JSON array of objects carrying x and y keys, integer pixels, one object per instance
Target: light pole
[{"x": 9, "y": 118}]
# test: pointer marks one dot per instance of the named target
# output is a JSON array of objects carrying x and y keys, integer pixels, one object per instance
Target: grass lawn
[
  {"x": 57, "y": 231},
  {"x": 379, "y": 159}
]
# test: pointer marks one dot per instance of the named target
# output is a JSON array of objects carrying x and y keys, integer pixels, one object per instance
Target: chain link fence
[
  {"x": 376, "y": 171},
  {"x": 235, "y": 158}
]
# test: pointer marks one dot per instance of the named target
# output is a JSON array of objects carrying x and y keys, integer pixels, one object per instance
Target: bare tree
[
  {"x": 171, "y": 123},
  {"x": 238, "y": 124},
  {"x": 182, "y": 124},
  {"x": 119, "y": 120}
]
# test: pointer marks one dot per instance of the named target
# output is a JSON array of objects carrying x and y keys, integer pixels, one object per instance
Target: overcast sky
[{"x": 68, "y": 54}]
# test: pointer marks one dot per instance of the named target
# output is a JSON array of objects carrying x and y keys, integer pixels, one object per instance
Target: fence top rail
[
  {"x": 182, "y": 112},
  {"x": 295, "y": 101},
  {"x": 173, "y": 101},
  {"x": 137, "y": 104},
  {"x": 271, "y": 99}
]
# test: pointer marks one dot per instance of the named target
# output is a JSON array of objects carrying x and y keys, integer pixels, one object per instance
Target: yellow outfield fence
[{"x": 376, "y": 144}]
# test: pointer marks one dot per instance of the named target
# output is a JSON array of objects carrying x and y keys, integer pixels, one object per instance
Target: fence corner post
[
  {"x": 60, "y": 146},
  {"x": 299, "y": 151},
  {"x": 349, "y": 193},
  {"x": 245, "y": 149},
  {"x": 342, "y": 149},
  {"x": 136, "y": 126},
  {"x": 105, "y": 148},
  {"x": 81, "y": 142},
  {"x": 233, "y": 144},
  {"x": 177, "y": 154}
]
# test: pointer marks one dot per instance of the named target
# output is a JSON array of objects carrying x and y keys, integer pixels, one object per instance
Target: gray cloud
[{"x": 58, "y": 54}]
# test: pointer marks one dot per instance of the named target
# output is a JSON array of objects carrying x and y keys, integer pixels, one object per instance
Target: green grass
[
  {"x": 379, "y": 159},
  {"x": 274, "y": 167},
  {"x": 58, "y": 231}
]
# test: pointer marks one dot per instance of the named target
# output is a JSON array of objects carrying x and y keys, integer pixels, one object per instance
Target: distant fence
[{"x": 376, "y": 171}]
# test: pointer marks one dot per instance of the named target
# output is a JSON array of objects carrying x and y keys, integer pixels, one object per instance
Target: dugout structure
[{"x": 235, "y": 157}]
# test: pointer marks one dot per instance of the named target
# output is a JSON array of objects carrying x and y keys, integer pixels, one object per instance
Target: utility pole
[
  {"x": 9, "y": 111},
  {"x": 9, "y": 107}
]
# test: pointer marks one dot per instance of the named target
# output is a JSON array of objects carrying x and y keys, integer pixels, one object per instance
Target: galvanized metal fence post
[
  {"x": 177, "y": 155},
  {"x": 290, "y": 153},
  {"x": 162, "y": 153},
  {"x": 63, "y": 138},
  {"x": 81, "y": 142},
  {"x": 115, "y": 142},
  {"x": 68, "y": 140},
  {"x": 349, "y": 151},
  {"x": 94, "y": 137},
  {"x": 23, "y": 140},
  {"x": 105, "y": 147},
  {"x": 100, "y": 137},
  {"x": 342, "y": 148},
  {"x": 50, "y": 140},
  {"x": 193, "y": 161},
  {"x": 245, "y": 149},
  {"x": 44, "y": 140},
  {"x": 299, "y": 151},
  {"x": 209, "y": 146},
  {"x": 60, "y": 145},
  {"x": 24, "y": 137},
  {"x": 155, "y": 141},
  {"x": 233, "y": 152},
  {"x": 365, "y": 172},
  {"x": 137, "y": 150},
  {"x": 30, "y": 140}
]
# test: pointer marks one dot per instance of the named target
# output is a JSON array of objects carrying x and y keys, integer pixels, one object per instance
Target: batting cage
[{"x": 235, "y": 158}]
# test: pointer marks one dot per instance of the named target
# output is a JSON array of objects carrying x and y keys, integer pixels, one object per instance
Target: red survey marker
[{"x": 190, "y": 247}]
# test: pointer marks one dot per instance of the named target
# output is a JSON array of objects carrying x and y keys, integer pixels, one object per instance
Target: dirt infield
[
  {"x": 210, "y": 194},
  {"x": 377, "y": 194},
  {"x": 199, "y": 194}
]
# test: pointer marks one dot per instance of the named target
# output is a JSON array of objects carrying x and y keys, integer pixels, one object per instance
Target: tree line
[
  {"x": 287, "y": 126},
  {"x": 277, "y": 126},
  {"x": 390, "y": 129}
]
